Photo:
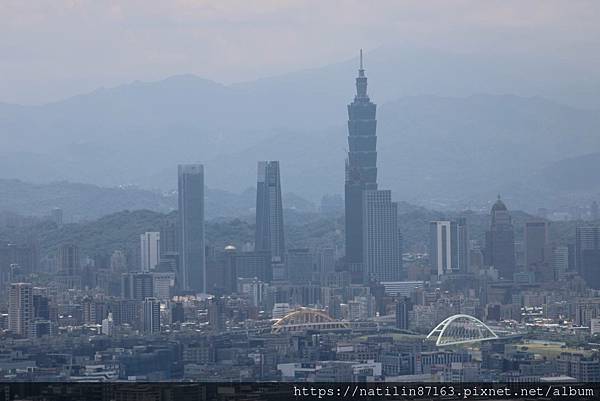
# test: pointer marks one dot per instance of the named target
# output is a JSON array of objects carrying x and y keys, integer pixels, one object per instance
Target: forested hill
[{"x": 303, "y": 229}]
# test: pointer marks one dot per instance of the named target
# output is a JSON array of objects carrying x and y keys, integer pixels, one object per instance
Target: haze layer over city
[{"x": 299, "y": 191}]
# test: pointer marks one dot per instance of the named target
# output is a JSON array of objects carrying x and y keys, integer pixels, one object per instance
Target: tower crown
[{"x": 361, "y": 80}]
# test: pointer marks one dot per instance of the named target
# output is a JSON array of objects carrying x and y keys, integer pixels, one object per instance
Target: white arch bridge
[{"x": 461, "y": 329}]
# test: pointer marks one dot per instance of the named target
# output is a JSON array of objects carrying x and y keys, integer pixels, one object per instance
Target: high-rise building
[
  {"x": 560, "y": 262},
  {"x": 149, "y": 250},
  {"x": 361, "y": 172},
  {"x": 151, "y": 315},
  {"x": 20, "y": 309},
  {"x": 221, "y": 272},
  {"x": 137, "y": 286},
  {"x": 108, "y": 325},
  {"x": 192, "y": 276},
  {"x": 448, "y": 247},
  {"x": 403, "y": 307},
  {"x": 382, "y": 256},
  {"x": 162, "y": 283},
  {"x": 536, "y": 242},
  {"x": 440, "y": 247},
  {"x": 168, "y": 238},
  {"x": 537, "y": 250},
  {"x": 269, "y": 211},
  {"x": 325, "y": 263},
  {"x": 254, "y": 264},
  {"x": 118, "y": 262},
  {"x": 500, "y": 241},
  {"x": 216, "y": 314},
  {"x": 587, "y": 254},
  {"x": 68, "y": 260}
]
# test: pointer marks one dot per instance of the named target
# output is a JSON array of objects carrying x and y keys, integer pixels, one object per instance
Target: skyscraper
[
  {"x": 537, "y": 250},
  {"x": 20, "y": 309},
  {"x": 68, "y": 261},
  {"x": 500, "y": 241},
  {"x": 168, "y": 238},
  {"x": 149, "y": 250},
  {"x": 192, "y": 276},
  {"x": 403, "y": 307},
  {"x": 587, "y": 254},
  {"x": 440, "y": 248},
  {"x": 448, "y": 247},
  {"x": 269, "y": 211},
  {"x": 151, "y": 315},
  {"x": 382, "y": 256},
  {"x": 560, "y": 262},
  {"x": 361, "y": 171}
]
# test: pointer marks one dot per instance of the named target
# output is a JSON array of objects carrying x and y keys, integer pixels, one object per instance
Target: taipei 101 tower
[{"x": 361, "y": 171}]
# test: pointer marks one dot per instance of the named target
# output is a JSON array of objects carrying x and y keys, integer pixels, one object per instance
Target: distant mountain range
[
  {"x": 445, "y": 152},
  {"x": 87, "y": 201}
]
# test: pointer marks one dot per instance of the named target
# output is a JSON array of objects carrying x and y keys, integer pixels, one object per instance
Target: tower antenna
[{"x": 361, "y": 60}]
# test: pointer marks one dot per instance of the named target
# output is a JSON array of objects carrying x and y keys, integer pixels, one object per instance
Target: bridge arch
[
  {"x": 307, "y": 319},
  {"x": 461, "y": 329}
]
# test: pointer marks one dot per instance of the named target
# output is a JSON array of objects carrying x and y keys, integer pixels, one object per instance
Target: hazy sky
[{"x": 50, "y": 49}]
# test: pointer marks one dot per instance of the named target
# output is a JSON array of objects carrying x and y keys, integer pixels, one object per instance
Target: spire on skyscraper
[
  {"x": 361, "y": 81},
  {"x": 361, "y": 60}
]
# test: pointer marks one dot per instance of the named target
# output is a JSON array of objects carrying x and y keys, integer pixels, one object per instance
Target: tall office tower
[
  {"x": 560, "y": 262},
  {"x": 149, "y": 250},
  {"x": 361, "y": 172},
  {"x": 68, "y": 260},
  {"x": 216, "y": 314},
  {"x": 269, "y": 211},
  {"x": 440, "y": 247},
  {"x": 403, "y": 307},
  {"x": 151, "y": 315},
  {"x": 382, "y": 256},
  {"x": 500, "y": 241},
  {"x": 221, "y": 273},
  {"x": 536, "y": 245},
  {"x": 587, "y": 254},
  {"x": 41, "y": 307},
  {"x": 192, "y": 276},
  {"x": 463, "y": 259},
  {"x": 449, "y": 247},
  {"x": 168, "y": 239},
  {"x": 20, "y": 309}
]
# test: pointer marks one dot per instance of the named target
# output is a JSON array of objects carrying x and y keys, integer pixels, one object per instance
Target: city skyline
[{"x": 417, "y": 273}]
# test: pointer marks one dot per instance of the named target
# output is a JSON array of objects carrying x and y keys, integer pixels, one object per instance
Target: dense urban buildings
[{"x": 383, "y": 291}]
